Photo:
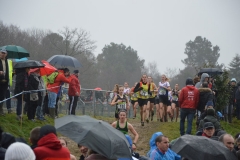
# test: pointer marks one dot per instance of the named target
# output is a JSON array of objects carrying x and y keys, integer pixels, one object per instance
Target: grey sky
[{"x": 157, "y": 29}]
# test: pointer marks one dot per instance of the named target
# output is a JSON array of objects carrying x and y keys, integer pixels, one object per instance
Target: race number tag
[
  {"x": 121, "y": 106},
  {"x": 143, "y": 93},
  {"x": 175, "y": 98},
  {"x": 162, "y": 91}
]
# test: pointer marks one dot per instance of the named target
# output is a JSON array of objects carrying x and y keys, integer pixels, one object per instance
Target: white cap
[{"x": 19, "y": 151}]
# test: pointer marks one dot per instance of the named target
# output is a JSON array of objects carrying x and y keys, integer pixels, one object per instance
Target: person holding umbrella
[
  {"x": 4, "y": 78},
  {"x": 53, "y": 89},
  {"x": 74, "y": 92}
]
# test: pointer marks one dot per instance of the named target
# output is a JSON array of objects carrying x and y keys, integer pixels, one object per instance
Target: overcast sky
[{"x": 157, "y": 29}]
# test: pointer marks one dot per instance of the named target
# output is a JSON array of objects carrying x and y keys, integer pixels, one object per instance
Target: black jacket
[
  {"x": 7, "y": 71},
  {"x": 232, "y": 93},
  {"x": 2, "y": 153},
  {"x": 20, "y": 81},
  {"x": 205, "y": 95}
]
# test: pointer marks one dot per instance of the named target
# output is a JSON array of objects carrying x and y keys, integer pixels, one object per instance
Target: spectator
[
  {"x": 237, "y": 97},
  {"x": 210, "y": 118},
  {"x": 188, "y": 101},
  {"x": 228, "y": 110},
  {"x": 208, "y": 129},
  {"x": 205, "y": 95},
  {"x": 19, "y": 151},
  {"x": 2, "y": 150},
  {"x": 49, "y": 147},
  {"x": 63, "y": 142},
  {"x": 20, "y": 86},
  {"x": 41, "y": 95},
  {"x": 152, "y": 142},
  {"x": 204, "y": 78},
  {"x": 33, "y": 84},
  {"x": 238, "y": 155},
  {"x": 163, "y": 151},
  {"x": 228, "y": 141},
  {"x": 83, "y": 150},
  {"x": 74, "y": 92},
  {"x": 34, "y": 137},
  {"x": 7, "y": 140},
  {"x": 4, "y": 77},
  {"x": 237, "y": 142},
  {"x": 53, "y": 90}
]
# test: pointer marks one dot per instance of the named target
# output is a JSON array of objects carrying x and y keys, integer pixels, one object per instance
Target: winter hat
[
  {"x": 45, "y": 130},
  {"x": 189, "y": 81},
  {"x": 210, "y": 111},
  {"x": 76, "y": 71},
  {"x": 233, "y": 80},
  {"x": 19, "y": 151},
  {"x": 3, "y": 50}
]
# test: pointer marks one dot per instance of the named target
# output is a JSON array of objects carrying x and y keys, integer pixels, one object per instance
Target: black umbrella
[
  {"x": 95, "y": 134},
  {"x": 201, "y": 148},
  {"x": 210, "y": 71},
  {"x": 64, "y": 61},
  {"x": 29, "y": 64}
]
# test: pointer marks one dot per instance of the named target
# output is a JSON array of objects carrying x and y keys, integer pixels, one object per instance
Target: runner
[
  {"x": 143, "y": 90},
  {"x": 126, "y": 92},
  {"x": 123, "y": 126},
  {"x": 168, "y": 109},
  {"x": 163, "y": 88},
  {"x": 134, "y": 100},
  {"x": 121, "y": 101},
  {"x": 113, "y": 93},
  {"x": 157, "y": 107},
  {"x": 175, "y": 106},
  {"x": 151, "y": 100}
]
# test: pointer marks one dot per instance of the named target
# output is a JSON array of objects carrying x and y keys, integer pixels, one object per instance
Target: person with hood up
[
  {"x": 204, "y": 78},
  {"x": 188, "y": 101},
  {"x": 49, "y": 147}
]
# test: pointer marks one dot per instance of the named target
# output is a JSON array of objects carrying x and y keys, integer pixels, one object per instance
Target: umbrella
[
  {"x": 15, "y": 51},
  {"x": 95, "y": 134},
  {"x": 47, "y": 69},
  {"x": 98, "y": 89},
  {"x": 200, "y": 147},
  {"x": 64, "y": 61},
  {"x": 211, "y": 71},
  {"x": 29, "y": 64}
]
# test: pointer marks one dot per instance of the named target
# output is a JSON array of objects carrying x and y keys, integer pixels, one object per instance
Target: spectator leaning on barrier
[
  {"x": 74, "y": 92},
  {"x": 53, "y": 90},
  {"x": 4, "y": 77}
]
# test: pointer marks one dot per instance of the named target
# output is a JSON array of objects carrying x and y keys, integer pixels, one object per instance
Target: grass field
[{"x": 171, "y": 129}]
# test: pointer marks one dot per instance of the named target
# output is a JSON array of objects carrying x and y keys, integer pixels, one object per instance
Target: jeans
[
  {"x": 8, "y": 102},
  {"x": 39, "y": 110},
  {"x": 52, "y": 97},
  {"x": 189, "y": 113}
]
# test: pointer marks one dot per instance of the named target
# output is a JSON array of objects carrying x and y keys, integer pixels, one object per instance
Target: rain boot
[{"x": 52, "y": 112}]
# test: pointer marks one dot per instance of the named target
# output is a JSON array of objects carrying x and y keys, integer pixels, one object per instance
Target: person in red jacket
[
  {"x": 49, "y": 147},
  {"x": 188, "y": 101},
  {"x": 54, "y": 88},
  {"x": 74, "y": 92}
]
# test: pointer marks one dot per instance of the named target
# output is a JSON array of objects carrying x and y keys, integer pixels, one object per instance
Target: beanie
[
  {"x": 19, "y": 151},
  {"x": 76, "y": 71},
  {"x": 233, "y": 80},
  {"x": 45, "y": 130},
  {"x": 189, "y": 81}
]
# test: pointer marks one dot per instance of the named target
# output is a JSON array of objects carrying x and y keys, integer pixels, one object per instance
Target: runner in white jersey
[{"x": 163, "y": 89}]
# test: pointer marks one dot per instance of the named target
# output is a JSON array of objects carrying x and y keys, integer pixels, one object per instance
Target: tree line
[{"x": 116, "y": 63}]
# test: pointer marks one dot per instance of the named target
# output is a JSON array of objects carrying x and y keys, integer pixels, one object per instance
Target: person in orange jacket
[
  {"x": 73, "y": 92},
  {"x": 54, "y": 88}
]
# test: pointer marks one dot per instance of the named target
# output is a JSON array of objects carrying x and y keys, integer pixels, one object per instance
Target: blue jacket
[
  {"x": 152, "y": 142},
  {"x": 169, "y": 155}
]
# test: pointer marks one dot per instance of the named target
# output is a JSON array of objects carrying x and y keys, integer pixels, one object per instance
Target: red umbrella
[
  {"x": 98, "y": 89},
  {"x": 47, "y": 69}
]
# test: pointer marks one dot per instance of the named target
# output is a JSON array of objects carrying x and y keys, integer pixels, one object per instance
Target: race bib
[
  {"x": 175, "y": 98},
  {"x": 162, "y": 91},
  {"x": 143, "y": 93},
  {"x": 121, "y": 106},
  {"x": 134, "y": 95}
]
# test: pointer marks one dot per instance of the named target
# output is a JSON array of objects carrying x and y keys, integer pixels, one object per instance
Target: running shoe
[
  {"x": 161, "y": 120},
  {"x": 134, "y": 117},
  {"x": 147, "y": 120},
  {"x": 142, "y": 123}
]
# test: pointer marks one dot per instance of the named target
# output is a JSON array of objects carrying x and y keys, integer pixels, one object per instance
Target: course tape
[{"x": 30, "y": 91}]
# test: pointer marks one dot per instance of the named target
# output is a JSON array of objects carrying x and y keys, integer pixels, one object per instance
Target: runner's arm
[
  {"x": 134, "y": 132},
  {"x": 137, "y": 88},
  {"x": 114, "y": 124},
  {"x": 114, "y": 101}
]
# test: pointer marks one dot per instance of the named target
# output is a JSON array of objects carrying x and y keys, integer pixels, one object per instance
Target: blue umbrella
[{"x": 20, "y": 60}]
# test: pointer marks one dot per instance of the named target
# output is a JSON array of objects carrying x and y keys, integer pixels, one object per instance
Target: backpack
[{"x": 51, "y": 77}]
